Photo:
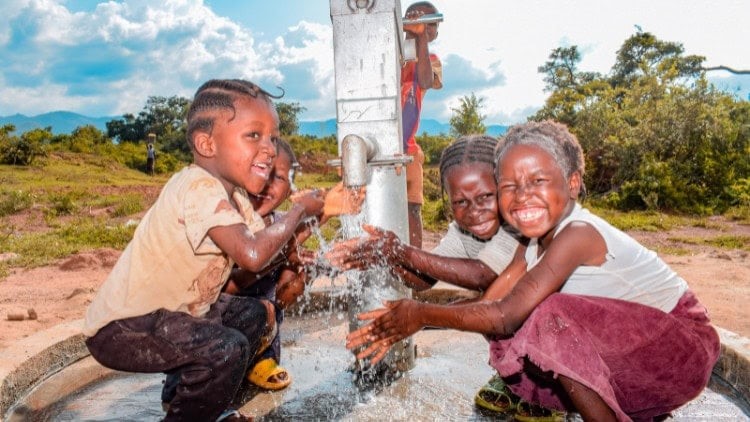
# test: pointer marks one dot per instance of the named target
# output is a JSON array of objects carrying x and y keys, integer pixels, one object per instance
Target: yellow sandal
[
  {"x": 528, "y": 412},
  {"x": 264, "y": 373}
]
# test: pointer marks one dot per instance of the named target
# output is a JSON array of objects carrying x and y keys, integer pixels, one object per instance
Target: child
[
  {"x": 607, "y": 330},
  {"x": 416, "y": 78},
  {"x": 474, "y": 250},
  {"x": 160, "y": 309},
  {"x": 281, "y": 280}
]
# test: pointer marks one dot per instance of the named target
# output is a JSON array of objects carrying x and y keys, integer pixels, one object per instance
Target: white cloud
[{"x": 109, "y": 59}]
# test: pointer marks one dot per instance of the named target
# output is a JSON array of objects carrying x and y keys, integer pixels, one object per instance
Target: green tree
[
  {"x": 655, "y": 134},
  {"x": 23, "y": 150},
  {"x": 561, "y": 70},
  {"x": 467, "y": 119},
  {"x": 166, "y": 117},
  {"x": 644, "y": 54},
  {"x": 288, "y": 117},
  {"x": 127, "y": 129}
]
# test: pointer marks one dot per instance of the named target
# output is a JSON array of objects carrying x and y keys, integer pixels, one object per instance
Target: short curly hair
[{"x": 552, "y": 137}]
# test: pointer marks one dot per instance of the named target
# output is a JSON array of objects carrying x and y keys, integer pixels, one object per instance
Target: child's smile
[
  {"x": 245, "y": 145},
  {"x": 534, "y": 195},
  {"x": 472, "y": 192}
]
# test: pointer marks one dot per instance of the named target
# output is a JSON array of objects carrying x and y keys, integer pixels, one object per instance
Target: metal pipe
[
  {"x": 356, "y": 152},
  {"x": 367, "y": 51}
]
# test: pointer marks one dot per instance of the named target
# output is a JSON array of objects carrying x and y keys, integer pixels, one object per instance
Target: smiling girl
[{"x": 598, "y": 324}]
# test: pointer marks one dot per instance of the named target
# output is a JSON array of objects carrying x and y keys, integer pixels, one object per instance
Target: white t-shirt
[
  {"x": 496, "y": 253},
  {"x": 171, "y": 262},
  {"x": 631, "y": 272}
]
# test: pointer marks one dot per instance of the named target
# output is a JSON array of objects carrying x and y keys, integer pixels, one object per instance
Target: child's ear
[
  {"x": 204, "y": 144},
  {"x": 574, "y": 185}
]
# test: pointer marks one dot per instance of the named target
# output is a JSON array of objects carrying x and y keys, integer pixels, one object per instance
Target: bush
[
  {"x": 15, "y": 201},
  {"x": 433, "y": 146},
  {"x": 63, "y": 203},
  {"x": 23, "y": 150},
  {"x": 128, "y": 205}
]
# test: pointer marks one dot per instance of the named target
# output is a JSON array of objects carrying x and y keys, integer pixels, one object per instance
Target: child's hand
[
  {"x": 415, "y": 28},
  {"x": 340, "y": 200},
  {"x": 380, "y": 247},
  {"x": 398, "y": 320},
  {"x": 312, "y": 200},
  {"x": 290, "y": 287}
]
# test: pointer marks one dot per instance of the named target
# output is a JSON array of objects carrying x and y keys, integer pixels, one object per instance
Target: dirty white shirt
[
  {"x": 631, "y": 271},
  {"x": 496, "y": 253},
  {"x": 171, "y": 262}
]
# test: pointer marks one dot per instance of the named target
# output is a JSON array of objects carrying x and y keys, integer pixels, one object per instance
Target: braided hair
[
  {"x": 216, "y": 95},
  {"x": 467, "y": 149}
]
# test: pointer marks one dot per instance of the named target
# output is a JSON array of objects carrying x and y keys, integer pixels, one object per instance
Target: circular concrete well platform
[{"x": 451, "y": 366}]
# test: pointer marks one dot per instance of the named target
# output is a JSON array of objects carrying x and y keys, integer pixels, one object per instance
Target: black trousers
[{"x": 208, "y": 355}]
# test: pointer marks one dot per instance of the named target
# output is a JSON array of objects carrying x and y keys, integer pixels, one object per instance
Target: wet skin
[
  {"x": 535, "y": 198},
  {"x": 533, "y": 193},
  {"x": 472, "y": 193},
  {"x": 279, "y": 186},
  {"x": 241, "y": 147}
]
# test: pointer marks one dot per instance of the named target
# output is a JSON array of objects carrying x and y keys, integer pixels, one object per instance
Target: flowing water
[
  {"x": 451, "y": 367},
  {"x": 327, "y": 381}
]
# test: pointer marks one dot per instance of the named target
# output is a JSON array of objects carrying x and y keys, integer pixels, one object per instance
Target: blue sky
[{"x": 105, "y": 58}]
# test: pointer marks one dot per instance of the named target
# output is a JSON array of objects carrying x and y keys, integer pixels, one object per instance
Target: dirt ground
[{"x": 60, "y": 293}]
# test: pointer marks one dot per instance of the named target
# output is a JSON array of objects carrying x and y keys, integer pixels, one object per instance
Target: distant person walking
[{"x": 150, "y": 159}]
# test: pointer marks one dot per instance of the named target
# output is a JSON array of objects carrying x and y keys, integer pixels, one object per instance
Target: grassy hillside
[
  {"x": 67, "y": 203},
  {"x": 71, "y": 202}
]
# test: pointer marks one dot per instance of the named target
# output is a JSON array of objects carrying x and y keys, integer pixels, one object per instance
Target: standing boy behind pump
[{"x": 416, "y": 78}]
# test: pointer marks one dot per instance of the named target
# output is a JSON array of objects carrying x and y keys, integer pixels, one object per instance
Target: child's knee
[{"x": 235, "y": 346}]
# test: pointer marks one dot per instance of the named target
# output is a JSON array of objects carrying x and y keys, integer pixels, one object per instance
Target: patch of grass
[
  {"x": 14, "y": 201},
  {"x": 128, "y": 204},
  {"x": 671, "y": 250},
  {"x": 42, "y": 248},
  {"x": 708, "y": 224},
  {"x": 740, "y": 214},
  {"x": 723, "y": 242},
  {"x": 63, "y": 203},
  {"x": 641, "y": 220}
]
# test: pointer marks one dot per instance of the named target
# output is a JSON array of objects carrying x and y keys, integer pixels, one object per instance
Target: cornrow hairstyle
[
  {"x": 421, "y": 4},
  {"x": 220, "y": 94},
  {"x": 467, "y": 149},
  {"x": 551, "y": 136}
]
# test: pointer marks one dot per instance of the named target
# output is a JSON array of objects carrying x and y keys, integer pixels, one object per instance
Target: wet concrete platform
[{"x": 451, "y": 366}]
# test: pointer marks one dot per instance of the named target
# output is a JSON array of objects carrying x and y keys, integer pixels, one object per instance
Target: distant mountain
[
  {"x": 60, "y": 121},
  {"x": 431, "y": 127},
  {"x": 66, "y": 121}
]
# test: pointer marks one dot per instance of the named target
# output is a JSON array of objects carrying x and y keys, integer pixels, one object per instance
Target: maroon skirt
[{"x": 641, "y": 361}]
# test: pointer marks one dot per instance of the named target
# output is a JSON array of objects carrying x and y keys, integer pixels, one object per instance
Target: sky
[{"x": 102, "y": 58}]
